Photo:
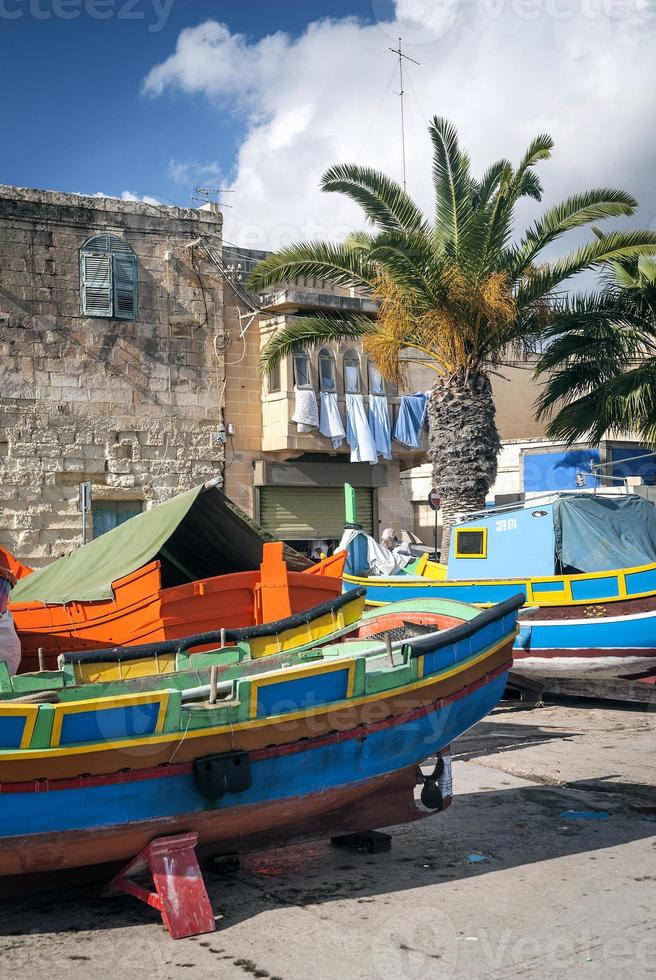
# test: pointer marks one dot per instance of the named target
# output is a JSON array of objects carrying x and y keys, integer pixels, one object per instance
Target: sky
[{"x": 152, "y": 98}]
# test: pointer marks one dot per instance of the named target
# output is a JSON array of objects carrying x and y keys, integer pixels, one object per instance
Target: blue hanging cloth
[
  {"x": 379, "y": 423},
  {"x": 409, "y": 421}
]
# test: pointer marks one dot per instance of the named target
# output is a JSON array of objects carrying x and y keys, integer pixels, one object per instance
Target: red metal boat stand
[{"x": 180, "y": 893}]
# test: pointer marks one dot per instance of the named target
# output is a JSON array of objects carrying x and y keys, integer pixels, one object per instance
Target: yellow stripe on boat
[
  {"x": 254, "y": 723},
  {"x": 13, "y": 735},
  {"x": 124, "y": 670},
  {"x": 86, "y": 718},
  {"x": 534, "y": 594},
  {"x": 315, "y": 629}
]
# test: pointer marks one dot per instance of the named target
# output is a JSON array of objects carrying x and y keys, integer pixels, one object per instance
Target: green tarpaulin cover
[{"x": 195, "y": 535}]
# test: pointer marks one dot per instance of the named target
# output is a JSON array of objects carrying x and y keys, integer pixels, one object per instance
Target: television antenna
[
  {"x": 207, "y": 195},
  {"x": 399, "y": 51}
]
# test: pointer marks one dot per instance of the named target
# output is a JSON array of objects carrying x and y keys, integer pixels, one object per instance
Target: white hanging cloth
[
  {"x": 381, "y": 560},
  {"x": 306, "y": 410},
  {"x": 358, "y": 431},
  {"x": 330, "y": 424}
]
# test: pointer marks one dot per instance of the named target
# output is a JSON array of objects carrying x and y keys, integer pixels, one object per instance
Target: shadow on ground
[
  {"x": 510, "y": 827},
  {"x": 489, "y": 737}
]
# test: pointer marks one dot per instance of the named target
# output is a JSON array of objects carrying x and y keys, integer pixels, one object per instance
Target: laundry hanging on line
[
  {"x": 358, "y": 431},
  {"x": 379, "y": 422},
  {"x": 330, "y": 421},
  {"x": 306, "y": 410},
  {"x": 410, "y": 419}
]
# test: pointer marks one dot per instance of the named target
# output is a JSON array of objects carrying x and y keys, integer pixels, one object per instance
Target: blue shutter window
[
  {"x": 125, "y": 292},
  {"x": 108, "y": 278},
  {"x": 96, "y": 285}
]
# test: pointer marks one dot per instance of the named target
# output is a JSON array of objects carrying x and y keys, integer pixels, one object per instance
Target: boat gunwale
[
  {"x": 251, "y": 724},
  {"x": 255, "y": 755},
  {"x": 545, "y": 599},
  {"x": 239, "y": 635}
]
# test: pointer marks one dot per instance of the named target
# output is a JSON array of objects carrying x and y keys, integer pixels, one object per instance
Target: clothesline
[{"x": 369, "y": 435}]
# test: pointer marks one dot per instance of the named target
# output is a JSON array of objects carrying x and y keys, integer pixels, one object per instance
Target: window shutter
[
  {"x": 125, "y": 286},
  {"x": 96, "y": 285}
]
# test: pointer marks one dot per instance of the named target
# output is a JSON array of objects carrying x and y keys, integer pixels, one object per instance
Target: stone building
[
  {"x": 130, "y": 361},
  {"x": 111, "y": 369}
]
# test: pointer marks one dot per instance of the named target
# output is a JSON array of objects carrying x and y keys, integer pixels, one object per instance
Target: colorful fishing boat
[
  {"x": 587, "y": 563},
  {"x": 187, "y": 566},
  {"x": 244, "y": 751}
]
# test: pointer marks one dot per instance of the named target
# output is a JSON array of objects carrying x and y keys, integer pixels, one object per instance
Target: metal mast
[{"x": 399, "y": 51}]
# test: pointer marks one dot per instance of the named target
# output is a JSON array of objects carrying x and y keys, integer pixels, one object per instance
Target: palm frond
[
  {"x": 408, "y": 258},
  {"x": 625, "y": 403},
  {"x": 341, "y": 265},
  {"x": 575, "y": 212},
  {"x": 490, "y": 182},
  {"x": 598, "y": 363},
  {"x": 383, "y": 201},
  {"x": 538, "y": 149},
  {"x": 617, "y": 245},
  {"x": 530, "y": 186},
  {"x": 453, "y": 184}
]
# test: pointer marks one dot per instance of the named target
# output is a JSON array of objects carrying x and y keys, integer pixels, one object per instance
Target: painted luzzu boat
[
  {"x": 587, "y": 563},
  {"x": 244, "y": 751},
  {"x": 190, "y": 565}
]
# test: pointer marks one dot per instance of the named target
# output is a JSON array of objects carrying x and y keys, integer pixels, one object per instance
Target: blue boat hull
[
  {"x": 607, "y": 643},
  {"x": 608, "y": 646},
  {"x": 96, "y": 819}
]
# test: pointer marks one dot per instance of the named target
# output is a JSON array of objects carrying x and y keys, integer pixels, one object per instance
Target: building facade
[
  {"x": 292, "y": 482},
  {"x": 289, "y": 480},
  {"x": 111, "y": 370},
  {"x": 131, "y": 362}
]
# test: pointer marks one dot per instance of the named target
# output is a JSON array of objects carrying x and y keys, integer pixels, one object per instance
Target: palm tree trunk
[{"x": 464, "y": 445}]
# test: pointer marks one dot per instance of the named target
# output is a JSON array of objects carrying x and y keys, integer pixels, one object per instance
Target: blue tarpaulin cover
[{"x": 598, "y": 534}]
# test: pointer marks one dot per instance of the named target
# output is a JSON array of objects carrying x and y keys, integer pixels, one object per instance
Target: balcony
[
  {"x": 295, "y": 298},
  {"x": 280, "y": 435}
]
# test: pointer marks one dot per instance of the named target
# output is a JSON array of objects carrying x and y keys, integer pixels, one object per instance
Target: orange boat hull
[{"x": 142, "y": 612}]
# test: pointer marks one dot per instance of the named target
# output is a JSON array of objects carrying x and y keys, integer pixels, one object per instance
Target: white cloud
[
  {"x": 124, "y": 196},
  {"x": 501, "y": 70},
  {"x": 143, "y": 198}
]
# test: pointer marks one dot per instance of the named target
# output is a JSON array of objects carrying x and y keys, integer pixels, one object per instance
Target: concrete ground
[{"x": 553, "y": 896}]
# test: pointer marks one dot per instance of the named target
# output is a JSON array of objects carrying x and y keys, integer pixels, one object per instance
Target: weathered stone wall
[{"x": 132, "y": 406}]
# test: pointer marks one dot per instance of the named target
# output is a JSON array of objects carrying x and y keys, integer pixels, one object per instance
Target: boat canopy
[
  {"x": 598, "y": 534},
  {"x": 578, "y": 533},
  {"x": 195, "y": 535}
]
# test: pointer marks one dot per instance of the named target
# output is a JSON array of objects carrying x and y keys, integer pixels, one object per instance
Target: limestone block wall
[
  {"x": 242, "y": 401},
  {"x": 132, "y": 406}
]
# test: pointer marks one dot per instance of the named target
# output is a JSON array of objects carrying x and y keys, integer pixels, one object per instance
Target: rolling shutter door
[{"x": 302, "y": 513}]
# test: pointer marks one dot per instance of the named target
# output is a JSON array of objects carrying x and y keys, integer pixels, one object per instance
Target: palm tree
[
  {"x": 600, "y": 358},
  {"x": 454, "y": 292}
]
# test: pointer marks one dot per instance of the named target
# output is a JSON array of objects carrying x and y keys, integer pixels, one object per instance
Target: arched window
[
  {"x": 352, "y": 384},
  {"x": 327, "y": 380},
  {"x": 108, "y": 278},
  {"x": 376, "y": 383},
  {"x": 302, "y": 370}
]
